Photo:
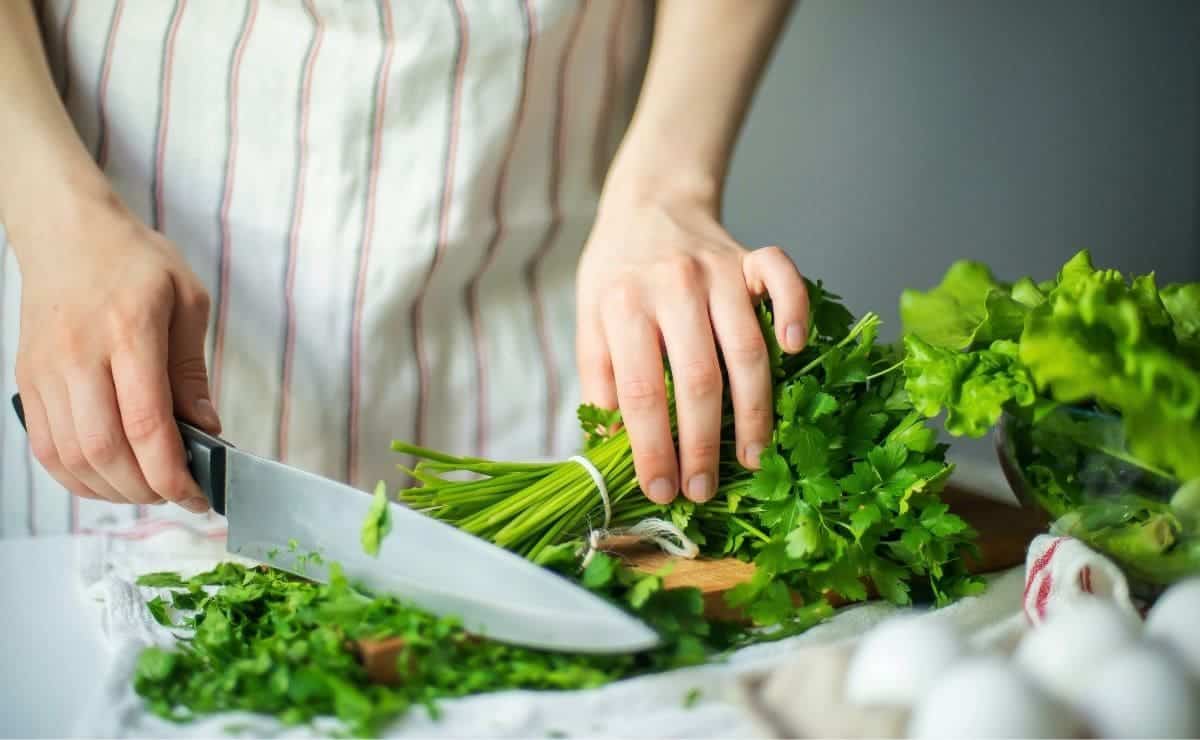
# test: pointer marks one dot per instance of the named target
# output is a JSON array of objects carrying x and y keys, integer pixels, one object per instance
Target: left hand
[{"x": 661, "y": 272}]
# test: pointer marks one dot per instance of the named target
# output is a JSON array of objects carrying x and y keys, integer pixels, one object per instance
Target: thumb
[{"x": 186, "y": 367}]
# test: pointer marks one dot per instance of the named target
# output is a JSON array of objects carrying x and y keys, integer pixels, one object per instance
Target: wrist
[
  {"x": 643, "y": 174},
  {"x": 68, "y": 199}
]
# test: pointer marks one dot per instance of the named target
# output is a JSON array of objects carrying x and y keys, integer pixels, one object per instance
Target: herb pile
[
  {"x": 1098, "y": 378},
  {"x": 847, "y": 492},
  {"x": 262, "y": 640}
]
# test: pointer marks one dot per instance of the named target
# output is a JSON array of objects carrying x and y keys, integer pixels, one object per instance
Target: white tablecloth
[
  {"x": 52, "y": 650},
  {"x": 62, "y": 677}
]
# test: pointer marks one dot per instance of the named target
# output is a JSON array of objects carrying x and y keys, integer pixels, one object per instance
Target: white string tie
[{"x": 668, "y": 537}]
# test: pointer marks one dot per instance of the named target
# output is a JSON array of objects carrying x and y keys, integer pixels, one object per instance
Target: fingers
[
  {"x": 596, "y": 378},
  {"x": 696, "y": 373},
  {"x": 770, "y": 270},
  {"x": 633, "y": 340},
  {"x": 57, "y": 402},
  {"x": 186, "y": 368},
  {"x": 101, "y": 438},
  {"x": 746, "y": 364},
  {"x": 147, "y": 417},
  {"x": 41, "y": 443}
]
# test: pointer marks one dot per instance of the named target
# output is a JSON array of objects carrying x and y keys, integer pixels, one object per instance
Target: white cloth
[
  {"x": 386, "y": 200},
  {"x": 649, "y": 706},
  {"x": 805, "y": 696}
]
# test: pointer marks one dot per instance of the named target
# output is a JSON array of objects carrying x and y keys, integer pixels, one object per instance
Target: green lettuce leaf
[
  {"x": 1182, "y": 301},
  {"x": 1090, "y": 337},
  {"x": 969, "y": 307},
  {"x": 973, "y": 387},
  {"x": 1100, "y": 339}
]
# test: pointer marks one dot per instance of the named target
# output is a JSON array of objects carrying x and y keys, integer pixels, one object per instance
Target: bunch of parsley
[{"x": 847, "y": 494}]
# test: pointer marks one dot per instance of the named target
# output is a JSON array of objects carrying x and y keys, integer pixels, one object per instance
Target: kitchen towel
[
  {"x": 648, "y": 706},
  {"x": 1059, "y": 571}
]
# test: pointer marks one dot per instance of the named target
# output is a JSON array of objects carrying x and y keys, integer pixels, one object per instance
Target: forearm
[
  {"x": 44, "y": 160},
  {"x": 705, "y": 63}
]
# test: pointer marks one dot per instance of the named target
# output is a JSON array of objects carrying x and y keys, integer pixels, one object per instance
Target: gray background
[{"x": 890, "y": 138}]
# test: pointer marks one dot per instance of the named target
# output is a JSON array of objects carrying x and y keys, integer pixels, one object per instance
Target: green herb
[
  {"x": 692, "y": 697},
  {"x": 378, "y": 521},
  {"x": 160, "y": 580},
  {"x": 843, "y": 496},
  {"x": 269, "y": 642},
  {"x": 158, "y": 609}
]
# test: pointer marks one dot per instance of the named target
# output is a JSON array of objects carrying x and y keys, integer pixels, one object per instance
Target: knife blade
[{"x": 279, "y": 515}]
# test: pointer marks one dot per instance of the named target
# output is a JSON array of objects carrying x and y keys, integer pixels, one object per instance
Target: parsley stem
[
  {"x": 885, "y": 371},
  {"x": 752, "y": 530},
  {"x": 868, "y": 320}
]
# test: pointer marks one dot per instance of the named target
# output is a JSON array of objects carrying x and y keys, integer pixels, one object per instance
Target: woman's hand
[
  {"x": 661, "y": 272},
  {"x": 112, "y": 319},
  {"x": 111, "y": 349}
]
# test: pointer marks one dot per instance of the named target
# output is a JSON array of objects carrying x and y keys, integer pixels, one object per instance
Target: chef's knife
[{"x": 278, "y": 514}]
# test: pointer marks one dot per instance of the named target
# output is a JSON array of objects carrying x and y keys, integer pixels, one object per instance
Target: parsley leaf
[
  {"x": 773, "y": 480},
  {"x": 158, "y": 609},
  {"x": 160, "y": 580},
  {"x": 599, "y": 572},
  {"x": 597, "y": 423},
  {"x": 378, "y": 521}
]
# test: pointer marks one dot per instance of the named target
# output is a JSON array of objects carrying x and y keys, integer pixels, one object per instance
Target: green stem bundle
[
  {"x": 847, "y": 491},
  {"x": 531, "y": 507}
]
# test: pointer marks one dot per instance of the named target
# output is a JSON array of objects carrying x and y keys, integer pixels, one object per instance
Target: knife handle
[{"x": 205, "y": 455}]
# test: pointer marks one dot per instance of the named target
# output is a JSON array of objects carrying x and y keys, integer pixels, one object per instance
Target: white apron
[{"x": 385, "y": 199}]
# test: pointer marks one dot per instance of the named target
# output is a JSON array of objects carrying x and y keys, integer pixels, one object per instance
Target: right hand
[{"x": 111, "y": 352}]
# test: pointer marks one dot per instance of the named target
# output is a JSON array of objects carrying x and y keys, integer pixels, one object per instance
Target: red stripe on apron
[
  {"x": 364, "y": 257},
  {"x": 549, "y": 361},
  {"x": 612, "y": 68},
  {"x": 225, "y": 250},
  {"x": 489, "y": 255},
  {"x": 164, "y": 114},
  {"x": 289, "y": 345},
  {"x": 443, "y": 224},
  {"x": 102, "y": 94}
]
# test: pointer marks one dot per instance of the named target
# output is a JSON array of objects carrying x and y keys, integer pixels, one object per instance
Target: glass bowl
[{"x": 1074, "y": 466}]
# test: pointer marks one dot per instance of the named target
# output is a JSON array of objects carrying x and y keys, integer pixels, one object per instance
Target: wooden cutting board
[{"x": 1005, "y": 532}]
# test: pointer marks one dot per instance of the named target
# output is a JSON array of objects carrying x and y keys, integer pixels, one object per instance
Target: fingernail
[
  {"x": 661, "y": 491},
  {"x": 206, "y": 414},
  {"x": 196, "y": 504},
  {"x": 794, "y": 337},
  {"x": 699, "y": 488},
  {"x": 752, "y": 453}
]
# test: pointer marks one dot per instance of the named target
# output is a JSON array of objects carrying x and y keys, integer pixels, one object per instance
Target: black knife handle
[{"x": 205, "y": 458}]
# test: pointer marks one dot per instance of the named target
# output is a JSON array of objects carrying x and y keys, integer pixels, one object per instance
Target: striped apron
[{"x": 385, "y": 198}]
